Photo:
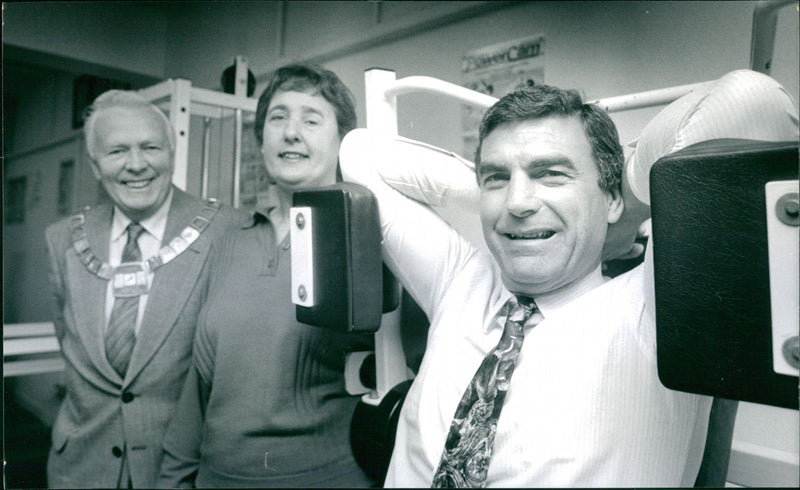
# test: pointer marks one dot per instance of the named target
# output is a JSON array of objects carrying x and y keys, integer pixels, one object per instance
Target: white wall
[
  {"x": 766, "y": 447},
  {"x": 124, "y": 35},
  {"x": 603, "y": 48},
  {"x": 271, "y": 34},
  {"x": 45, "y": 112}
]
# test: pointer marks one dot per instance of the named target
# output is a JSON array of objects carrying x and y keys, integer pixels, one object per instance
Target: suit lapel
[
  {"x": 89, "y": 291},
  {"x": 172, "y": 285}
]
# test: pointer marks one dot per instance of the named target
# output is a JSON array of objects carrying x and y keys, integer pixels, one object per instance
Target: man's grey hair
[{"x": 120, "y": 98}]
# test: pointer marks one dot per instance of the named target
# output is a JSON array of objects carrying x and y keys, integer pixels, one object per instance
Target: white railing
[{"x": 30, "y": 348}]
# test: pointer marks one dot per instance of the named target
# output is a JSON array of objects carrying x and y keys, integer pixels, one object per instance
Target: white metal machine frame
[{"x": 181, "y": 101}]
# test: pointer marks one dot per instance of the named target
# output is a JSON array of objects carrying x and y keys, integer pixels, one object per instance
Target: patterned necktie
[
  {"x": 121, "y": 333},
  {"x": 469, "y": 444}
]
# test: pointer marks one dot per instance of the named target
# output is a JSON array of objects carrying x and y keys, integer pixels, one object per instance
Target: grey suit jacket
[{"x": 102, "y": 414}]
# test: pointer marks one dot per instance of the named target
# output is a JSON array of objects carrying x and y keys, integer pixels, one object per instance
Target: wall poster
[{"x": 497, "y": 70}]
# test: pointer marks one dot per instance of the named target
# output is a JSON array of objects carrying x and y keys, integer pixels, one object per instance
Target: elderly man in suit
[{"x": 128, "y": 280}]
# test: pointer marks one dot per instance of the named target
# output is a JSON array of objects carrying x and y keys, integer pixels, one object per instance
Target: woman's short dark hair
[
  {"x": 542, "y": 101},
  {"x": 308, "y": 78}
]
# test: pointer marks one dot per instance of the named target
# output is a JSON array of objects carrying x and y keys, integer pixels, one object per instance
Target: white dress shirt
[
  {"x": 149, "y": 243},
  {"x": 585, "y": 406}
]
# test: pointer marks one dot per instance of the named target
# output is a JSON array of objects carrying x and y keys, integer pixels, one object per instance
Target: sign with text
[{"x": 497, "y": 70}]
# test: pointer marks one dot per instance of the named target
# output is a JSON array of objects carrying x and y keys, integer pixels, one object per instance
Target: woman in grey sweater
[{"x": 264, "y": 404}]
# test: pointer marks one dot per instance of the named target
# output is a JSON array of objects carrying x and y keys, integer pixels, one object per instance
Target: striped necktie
[
  {"x": 121, "y": 333},
  {"x": 469, "y": 444}
]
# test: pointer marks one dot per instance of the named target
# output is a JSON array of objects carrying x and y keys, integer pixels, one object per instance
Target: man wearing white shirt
[
  {"x": 149, "y": 244},
  {"x": 584, "y": 406},
  {"x": 128, "y": 279}
]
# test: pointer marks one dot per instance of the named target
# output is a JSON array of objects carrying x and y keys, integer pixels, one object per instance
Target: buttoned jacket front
[{"x": 102, "y": 413}]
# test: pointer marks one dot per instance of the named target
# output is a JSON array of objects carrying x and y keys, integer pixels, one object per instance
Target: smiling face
[
  {"x": 301, "y": 140},
  {"x": 543, "y": 212},
  {"x": 132, "y": 158}
]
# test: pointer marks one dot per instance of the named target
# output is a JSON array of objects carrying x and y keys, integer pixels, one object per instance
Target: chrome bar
[
  {"x": 433, "y": 85},
  {"x": 611, "y": 104},
  {"x": 205, "y": 159},
  {"x": 649, "y": 98},
  {"x": 237, "y": 158}
]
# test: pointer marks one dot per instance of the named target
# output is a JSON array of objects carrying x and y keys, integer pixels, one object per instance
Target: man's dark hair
[
  {"x": 542, "y": 101},
  {"x": 308, "y": 78}
]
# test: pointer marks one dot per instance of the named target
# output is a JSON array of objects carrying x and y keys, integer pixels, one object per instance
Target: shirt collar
[
  {"x": 154, "y": 225},
  {"x": 551, "y": 302},
  {"x": 257, "y": 216}
]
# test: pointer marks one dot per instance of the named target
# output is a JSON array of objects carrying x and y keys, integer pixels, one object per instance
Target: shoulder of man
[
  {"x": 225, "y": 217},
  {"x": 60, "y": 233},
  {"x": 233, "y": 217}
]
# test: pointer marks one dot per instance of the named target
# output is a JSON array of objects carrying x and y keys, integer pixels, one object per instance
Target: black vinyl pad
[{"x": 711, "y": 269}]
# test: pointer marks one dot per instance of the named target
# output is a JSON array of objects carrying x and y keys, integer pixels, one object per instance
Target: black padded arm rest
[
  {"x": 711, "y": 269},
  {"x": 347, "y": 264}
]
